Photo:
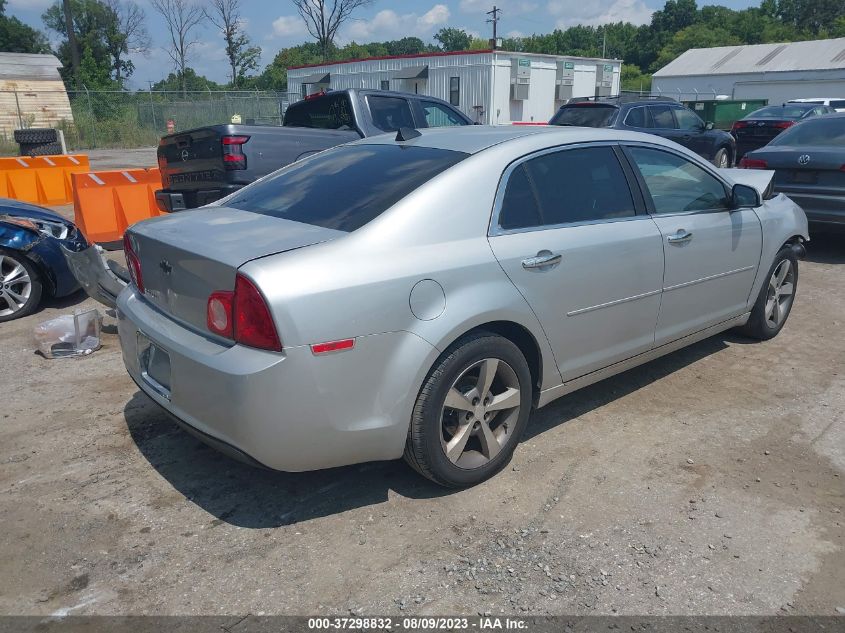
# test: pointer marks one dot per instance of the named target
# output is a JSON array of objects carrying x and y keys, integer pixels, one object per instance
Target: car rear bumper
[
  {"x": 290, "y": 411},
  {"x": 169, "y": 200},
  {"x": 819, "y": 208}
]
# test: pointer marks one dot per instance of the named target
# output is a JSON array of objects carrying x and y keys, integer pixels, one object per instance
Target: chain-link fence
[{"x": 118, "y": 119}]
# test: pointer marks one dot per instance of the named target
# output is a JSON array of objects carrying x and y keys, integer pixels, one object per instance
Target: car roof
[{"x": 476, "y": 138}]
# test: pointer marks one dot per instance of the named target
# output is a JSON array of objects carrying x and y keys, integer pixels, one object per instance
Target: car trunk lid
[
  {"x": 186, "y": 256},
  {"x": 803, "y": 168}
]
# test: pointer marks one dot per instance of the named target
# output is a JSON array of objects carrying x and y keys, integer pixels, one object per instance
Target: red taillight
[
  {"x": 219, "y": 313},
  {"x": 332, "y": 346},
  {"x": 782, "y": 125},
  {"x": 753, "y": 163},
  {"x": 739, "y": 125},
  {"x": 243, "y": 316},
  {"x": 132, "y": 262},
  {"x": 233, "y": 153}
]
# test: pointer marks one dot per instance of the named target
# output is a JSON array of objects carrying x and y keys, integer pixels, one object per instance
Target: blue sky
[{"x": 274, "y": 25}]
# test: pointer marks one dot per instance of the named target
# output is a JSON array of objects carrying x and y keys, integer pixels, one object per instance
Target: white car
[{"x": 837, "y": 103}]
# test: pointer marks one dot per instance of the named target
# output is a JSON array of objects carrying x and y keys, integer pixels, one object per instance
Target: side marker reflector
[{"x": 332, "y": 346}]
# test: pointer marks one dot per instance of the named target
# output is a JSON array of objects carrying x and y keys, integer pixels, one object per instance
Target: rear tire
[
  {"x": 722, "y": 159},
  {"x": 774, "y": 303},
  {"x": 471, "y": 411}
]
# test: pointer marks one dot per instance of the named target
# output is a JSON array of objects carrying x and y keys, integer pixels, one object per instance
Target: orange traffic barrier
[
  {"x": 106, "y": 203},
  {"x": 40, "y": 179}
]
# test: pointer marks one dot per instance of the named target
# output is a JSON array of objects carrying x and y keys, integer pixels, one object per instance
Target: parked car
[
  {"x": 419, "y": 297},
  {"x": 203, "y": 165},
  {"x": 761, "y": 126},
  {"x": 809, "y": 164},
  {"x": 837, "y": 103},
  {"x": 660, "y": 116},
  {"x": 32, "y": 265}
]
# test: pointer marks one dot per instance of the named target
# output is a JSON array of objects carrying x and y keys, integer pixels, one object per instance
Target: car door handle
[
  {"x": 680, "y": 237},
  {"x": 541, "y": 260}
]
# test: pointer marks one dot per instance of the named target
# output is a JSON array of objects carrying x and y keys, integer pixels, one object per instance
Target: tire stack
[{"x": 38, "y": 141}]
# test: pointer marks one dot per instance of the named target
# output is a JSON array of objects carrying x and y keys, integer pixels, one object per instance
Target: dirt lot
[{"x": 710, "y": 481}]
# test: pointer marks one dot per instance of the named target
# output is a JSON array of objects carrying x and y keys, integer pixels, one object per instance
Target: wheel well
[{"x": 524, "y": 340}]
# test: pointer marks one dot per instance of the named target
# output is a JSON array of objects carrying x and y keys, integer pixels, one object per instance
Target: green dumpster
[{"x": 724, "y": 113}]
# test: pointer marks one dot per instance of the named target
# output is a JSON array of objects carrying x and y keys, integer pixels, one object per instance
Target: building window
[
  {"x": 385, "y": 84},
  {"x": 455, "y": 91}
]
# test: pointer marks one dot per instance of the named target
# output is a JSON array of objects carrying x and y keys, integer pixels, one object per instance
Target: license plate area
[
  {"x": 154, "y": 363},
  {"x": 805, "y": 177}
]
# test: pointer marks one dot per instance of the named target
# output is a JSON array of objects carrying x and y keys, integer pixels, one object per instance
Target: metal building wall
[{"x": 776, "y": 87}]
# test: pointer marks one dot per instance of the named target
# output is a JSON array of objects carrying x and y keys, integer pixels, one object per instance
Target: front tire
[
  {"x": 471, "y": 411},
  {"x": 774, "y": 303},
  {"x": 20, "y": 286}
]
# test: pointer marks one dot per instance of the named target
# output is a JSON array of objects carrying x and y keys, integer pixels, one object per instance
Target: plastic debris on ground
[{"x": 70, "y": 335}]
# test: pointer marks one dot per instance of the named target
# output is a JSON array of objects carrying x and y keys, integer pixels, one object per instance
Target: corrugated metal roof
[
  {"x": 29, "y": 66},
  {"x": 729, "y": 60}
]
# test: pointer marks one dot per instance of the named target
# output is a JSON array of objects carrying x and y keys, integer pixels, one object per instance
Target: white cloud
[
  {"x": 572, "y": 12},
  {"x": 515, "y": 34},
  {"x": 387, "y": 24},
  {"x": 288, "y": 26}
]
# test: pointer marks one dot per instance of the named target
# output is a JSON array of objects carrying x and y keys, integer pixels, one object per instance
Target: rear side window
[
  {"x": 589, "y": 115},
  {"x": 662, "y": 117},
  {"x": 346, "y": 187},
  {"x": 637, "y": 117},
  {"x": 780, "y": 112},
  {"x": 837, "y": 104},
  {"x": 390, "y": 113},
  {"x": 578, "y": 185},
  {"x": 329, "y": 112}
]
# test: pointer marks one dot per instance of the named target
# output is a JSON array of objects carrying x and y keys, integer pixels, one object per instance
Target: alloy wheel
[
  {"x": 780, "y": 294},
  {"x": 15, "y": 285},
  {"x": 480, "y": 413}
]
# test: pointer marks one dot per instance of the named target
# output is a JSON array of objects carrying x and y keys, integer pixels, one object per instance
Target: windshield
[
  {"x": 346, "y": 187},
  {"x": 821, "y": 132},
  {"x": 590, "y": 115},
  {"x": 780, "y": 112}
]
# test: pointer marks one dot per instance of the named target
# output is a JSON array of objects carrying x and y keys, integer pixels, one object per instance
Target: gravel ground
[{"x": 706, "y": 482}]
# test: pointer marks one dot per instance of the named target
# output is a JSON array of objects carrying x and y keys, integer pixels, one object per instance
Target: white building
[
  {"x": 494, "y": 87},
  {"x": 32, "y": 93},
  {"x": 777, "y": 72}
]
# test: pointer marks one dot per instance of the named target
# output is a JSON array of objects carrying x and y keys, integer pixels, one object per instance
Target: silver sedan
[{"x": 420, "y": 295}]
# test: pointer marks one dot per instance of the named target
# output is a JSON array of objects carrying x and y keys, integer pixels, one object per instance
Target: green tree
[
  {"x": 17, "y": 37},
  {"x": 243, "y": 58},
  {"x": 452, "y": 39},
  {"x": 190, "y": 81},
  {"x": 813, "y": 16},
  {"x": 634, "y": 80},
  {"x": 695, "y": 36}
]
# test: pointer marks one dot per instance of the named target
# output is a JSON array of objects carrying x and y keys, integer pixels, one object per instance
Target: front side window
[
  {"x": 455, "y": 91},
  {"x": 372, "y": 178},
  {"x": 578, "y": 185},
  {"x": 662, "y": 117},
  {"x": 438, "y": 115},
  {"x": 688, "y": 120},
  {"x": 676, "y": 184},
  {"x": 390, "y": 113}
]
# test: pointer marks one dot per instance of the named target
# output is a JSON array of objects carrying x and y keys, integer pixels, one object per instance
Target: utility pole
[
  {"x": 71, "y": 41},
  {"x": 494, "y": 20}
]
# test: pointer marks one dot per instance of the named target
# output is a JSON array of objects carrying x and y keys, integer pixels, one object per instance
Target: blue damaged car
[{"x": 32, "y": 260}]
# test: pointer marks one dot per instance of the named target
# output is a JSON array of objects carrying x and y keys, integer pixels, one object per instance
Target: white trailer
[{"x": 493, "y": 87}]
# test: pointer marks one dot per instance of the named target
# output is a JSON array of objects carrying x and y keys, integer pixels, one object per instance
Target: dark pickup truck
[{"x": 203, "y": 165}]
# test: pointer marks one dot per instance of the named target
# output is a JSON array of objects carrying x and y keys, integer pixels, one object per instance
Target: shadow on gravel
[
  {"x": 826, "y": 248},
  {"x": 585, "y": 400},
  {"x": 254, "y": 498},
  {"x": 69, "y": 301}
]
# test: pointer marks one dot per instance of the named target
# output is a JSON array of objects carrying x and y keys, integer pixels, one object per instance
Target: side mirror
[
  {"x": 709, "y": 125},
  {"x": 745, "y": 196}
]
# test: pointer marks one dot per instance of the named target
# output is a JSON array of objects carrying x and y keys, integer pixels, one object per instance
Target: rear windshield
[
  {"x": 780, "y": 112},
  {"x": 590, "y": 115},
  {"x": 329, "y": 112},
  {"x": 815, "y": 132},
  {"x": 345, "y": 187}
]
